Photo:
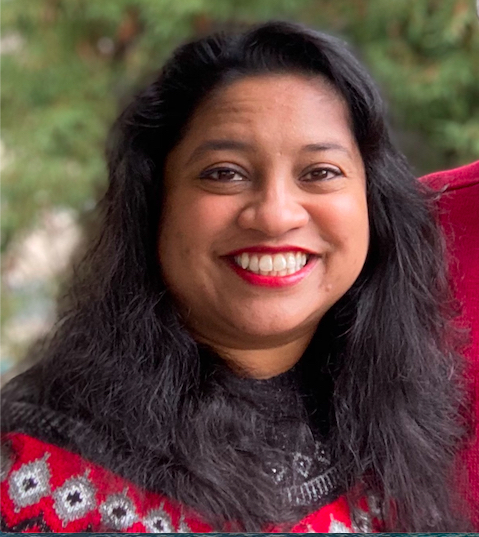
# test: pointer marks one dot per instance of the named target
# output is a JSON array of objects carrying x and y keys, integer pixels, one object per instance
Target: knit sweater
[
  {"x": 48, "y": 489},
  {"x": 52, "y": 481}
]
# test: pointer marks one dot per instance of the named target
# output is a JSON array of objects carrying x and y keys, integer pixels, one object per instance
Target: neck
[{"x": 265, "y": 363}]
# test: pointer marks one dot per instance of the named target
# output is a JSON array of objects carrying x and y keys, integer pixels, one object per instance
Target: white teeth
[
  {"x": 291, "y": 261},
  {"x": 279, "y": 262},
  {"x": 254, "y": 264},
  {"x": 268, "y": 265}
]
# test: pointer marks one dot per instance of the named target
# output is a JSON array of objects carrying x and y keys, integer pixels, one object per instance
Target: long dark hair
[{"x": 121, "y": 359}]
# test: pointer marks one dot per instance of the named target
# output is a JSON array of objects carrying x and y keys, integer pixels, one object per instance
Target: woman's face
[{"x": 265, "y": 222}]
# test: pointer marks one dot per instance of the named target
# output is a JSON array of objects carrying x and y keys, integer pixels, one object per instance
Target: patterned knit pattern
[{"x": 45, "y": 488}]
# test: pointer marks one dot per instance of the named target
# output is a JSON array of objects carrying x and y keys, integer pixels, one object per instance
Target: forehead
[
  {"x": 269, "y": 105},
  {"x": 284, "y": 86}
]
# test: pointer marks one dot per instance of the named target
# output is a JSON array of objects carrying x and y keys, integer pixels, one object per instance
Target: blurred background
[{"x": 69, "y": 66}]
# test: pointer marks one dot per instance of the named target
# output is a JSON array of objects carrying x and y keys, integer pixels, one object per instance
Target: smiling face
[{"x": 265, "y": 222}]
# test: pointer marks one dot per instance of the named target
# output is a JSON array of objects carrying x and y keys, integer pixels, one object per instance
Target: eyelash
[
  {"x": 209, "y": 174},
  {"x": 328, "y": 169}
]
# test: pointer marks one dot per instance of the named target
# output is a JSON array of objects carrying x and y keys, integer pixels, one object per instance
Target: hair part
[{"x": 121, "y": 358}]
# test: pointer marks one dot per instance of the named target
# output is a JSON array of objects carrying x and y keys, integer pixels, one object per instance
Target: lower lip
[{"x": 274, "y": 281}]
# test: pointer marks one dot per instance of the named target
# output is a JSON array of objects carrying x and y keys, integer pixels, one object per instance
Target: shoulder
[
  {"x": 46, "y": 488},
  {"x": 53, "y": 480}
]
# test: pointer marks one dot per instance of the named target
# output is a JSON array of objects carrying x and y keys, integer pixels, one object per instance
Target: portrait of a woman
[{"x": 259, "y": 336}]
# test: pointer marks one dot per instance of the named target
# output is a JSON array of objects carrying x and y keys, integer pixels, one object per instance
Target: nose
[{"x": 275, "y": 208}]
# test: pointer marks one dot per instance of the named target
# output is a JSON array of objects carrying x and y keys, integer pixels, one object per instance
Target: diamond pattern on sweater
[
  {"x": 70, "y": 494},
  {"x": 302, "y": 464},
  {"x": 30, "y": 483},
  {"x": 118, "y": 512},
  {"x": 158, "y": 521},
  {"x": 74, "y": 499}
]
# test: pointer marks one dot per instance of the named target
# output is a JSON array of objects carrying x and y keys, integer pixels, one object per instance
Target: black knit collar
[{"x": 303, "y": 471}]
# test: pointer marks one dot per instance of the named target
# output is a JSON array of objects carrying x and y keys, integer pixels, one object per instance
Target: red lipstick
[
  {"x": 272, "y": 281},
  {"x": 270, "y": 250}
]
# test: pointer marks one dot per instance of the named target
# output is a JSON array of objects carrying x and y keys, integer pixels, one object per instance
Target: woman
[{"x": 258, "y": 333}]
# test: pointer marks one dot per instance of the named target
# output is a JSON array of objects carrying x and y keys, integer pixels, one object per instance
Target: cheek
[
  {"x": 344, "y": 224},
  {"x": 211, "y": 215},
  {"x": 191, "y": 226},
  {"x": 352, "y": 214}
]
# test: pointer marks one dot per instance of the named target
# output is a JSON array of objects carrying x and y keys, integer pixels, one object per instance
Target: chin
[{"x": 273, "y": 331}]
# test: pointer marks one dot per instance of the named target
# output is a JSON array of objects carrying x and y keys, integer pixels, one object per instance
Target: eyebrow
[
  {"x": 218, "y": 145},
  {"x": 330, "y": 146}
]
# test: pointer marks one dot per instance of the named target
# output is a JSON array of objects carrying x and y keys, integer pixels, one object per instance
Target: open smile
[{"x": 270, "y": 267}]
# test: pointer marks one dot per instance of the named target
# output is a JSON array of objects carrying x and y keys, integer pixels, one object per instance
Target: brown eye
[
  {"x": 222, "y": 175},
  {"x": 322, "y": 174}
]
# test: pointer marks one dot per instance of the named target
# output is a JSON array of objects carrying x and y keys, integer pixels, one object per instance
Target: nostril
[{"x": 273, "y": 219}]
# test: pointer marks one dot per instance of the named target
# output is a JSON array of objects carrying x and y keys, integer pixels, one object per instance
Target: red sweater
[
  {"x": 45, "y": 488},
  {"x": 48, "y": 489},
  {"x": 459, "y": 215}
]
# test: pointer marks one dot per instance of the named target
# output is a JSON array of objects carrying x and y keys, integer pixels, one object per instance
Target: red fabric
[
  {"x": 460, "y": 218},
  {"x": 52, "y": 470},
  {"x": 459, "y": 206}
]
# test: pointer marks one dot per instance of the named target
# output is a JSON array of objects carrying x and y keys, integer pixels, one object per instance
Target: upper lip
[{"x": 261, "y": 249}]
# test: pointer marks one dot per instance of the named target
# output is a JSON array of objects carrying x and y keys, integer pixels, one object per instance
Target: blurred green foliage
[{"x": 69, "y": 65}]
